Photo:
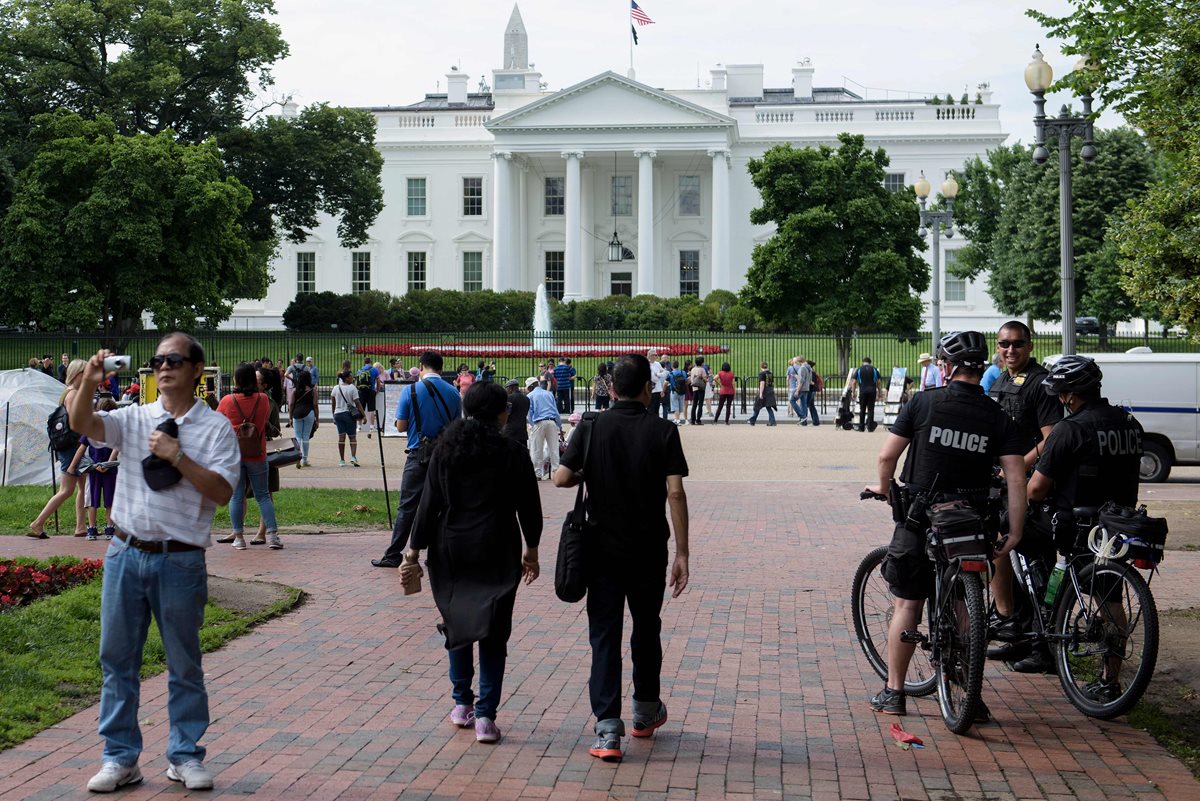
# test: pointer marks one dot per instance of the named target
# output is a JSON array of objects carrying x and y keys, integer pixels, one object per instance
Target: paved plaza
[{"x": 347, "y": 697}]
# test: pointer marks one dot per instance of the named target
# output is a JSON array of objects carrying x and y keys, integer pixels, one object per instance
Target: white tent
[{"x": 27, "y": 397}]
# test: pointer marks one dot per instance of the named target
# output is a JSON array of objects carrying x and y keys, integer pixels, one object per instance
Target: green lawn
[
  {"x": 49, "y": 663},
  {"x": 297, "y": 507}
]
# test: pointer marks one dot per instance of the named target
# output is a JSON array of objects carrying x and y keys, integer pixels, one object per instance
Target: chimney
[
  {"x": 456, "y": 88},
  {"x": 802, "y": 80},
  {"x": 745, "y": 80},
  {"x": 718, "y": 79}
]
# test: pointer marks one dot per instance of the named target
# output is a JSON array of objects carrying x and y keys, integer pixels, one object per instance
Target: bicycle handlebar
[{"x": 869, "y": 495}]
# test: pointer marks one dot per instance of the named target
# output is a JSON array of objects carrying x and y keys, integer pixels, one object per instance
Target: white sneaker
[
  {"x": 193, "y": 774},
  {"x": 112, "y": 776},
  {"x": 273, "y": 542},
  {"x": 239, "y": 542}
]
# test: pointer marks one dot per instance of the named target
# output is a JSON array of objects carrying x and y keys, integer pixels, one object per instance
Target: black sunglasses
[
  {"x": 171, "y": 359},
  {"x": 1012, "y": 343}
]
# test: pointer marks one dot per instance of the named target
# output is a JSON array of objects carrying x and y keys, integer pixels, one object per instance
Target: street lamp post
[
  {"x": 934, "y": 220},
  {"x": 1038, "y": 77}
]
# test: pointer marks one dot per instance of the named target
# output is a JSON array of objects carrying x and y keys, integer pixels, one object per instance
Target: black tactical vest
[
  {"x": 1108, "y": 469},
  {"x": 1018, "y": 397}
]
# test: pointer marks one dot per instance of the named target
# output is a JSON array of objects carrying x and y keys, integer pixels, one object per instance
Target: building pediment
[{"x": 609, "y": 102}]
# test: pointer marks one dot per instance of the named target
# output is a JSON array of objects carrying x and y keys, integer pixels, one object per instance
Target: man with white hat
[
  {"x": 544, "y": 425},
  {"x": 931, "y": 376}
]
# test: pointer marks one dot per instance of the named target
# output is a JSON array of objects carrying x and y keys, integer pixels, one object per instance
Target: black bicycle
[
  {"x": 950, "y": 657},
  {"x": 1100, "y": 622}
]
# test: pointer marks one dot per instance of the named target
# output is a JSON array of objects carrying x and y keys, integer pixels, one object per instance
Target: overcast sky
[{"x": 368, "y": 53}]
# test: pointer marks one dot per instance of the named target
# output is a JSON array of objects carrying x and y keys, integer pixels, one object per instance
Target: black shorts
[
  {"x": 907, "y": 569},
  {"x": 367, "y": 398},
  {"x": 601, "y": 402}
]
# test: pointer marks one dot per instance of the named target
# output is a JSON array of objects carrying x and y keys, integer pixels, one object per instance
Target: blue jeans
[
  {"x": 800, "y": 404},
  {"x": 492, "y": 656},
  {"x": 173, "y": 588},
  {"x": 303, "y": 427},
  {"x": 257, "y": 473}
]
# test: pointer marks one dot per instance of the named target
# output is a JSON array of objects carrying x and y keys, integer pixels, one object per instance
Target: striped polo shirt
[{"x": 178, "y": 512}]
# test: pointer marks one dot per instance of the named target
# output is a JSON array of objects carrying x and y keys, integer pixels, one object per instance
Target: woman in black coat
[{"x": 480, "y": 485}]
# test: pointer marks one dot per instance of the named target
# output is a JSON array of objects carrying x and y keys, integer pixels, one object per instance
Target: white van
[{"x": 1163, "y": 392}]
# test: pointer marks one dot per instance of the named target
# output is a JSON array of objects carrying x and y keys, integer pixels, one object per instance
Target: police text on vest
[{"x": 959, "y": 440}]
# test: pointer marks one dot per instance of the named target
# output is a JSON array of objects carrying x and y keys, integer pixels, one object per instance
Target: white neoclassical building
[{"x": 511, "y": 185}]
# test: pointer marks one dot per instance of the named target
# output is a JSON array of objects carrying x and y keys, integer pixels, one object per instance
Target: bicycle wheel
[
  {"x": 1108, "y": 639},
  {"x": 871, "y": 604},
  {"x": 960, "y": 650}
]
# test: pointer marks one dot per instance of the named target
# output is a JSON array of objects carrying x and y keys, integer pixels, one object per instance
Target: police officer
[
  {"x": 1090, "y": 458},
  {"x": 957, "y": 435},
  {"x": 1018, "y": 391}
]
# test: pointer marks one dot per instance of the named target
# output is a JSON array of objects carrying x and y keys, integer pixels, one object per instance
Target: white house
[{"x": 511, "y": 186}]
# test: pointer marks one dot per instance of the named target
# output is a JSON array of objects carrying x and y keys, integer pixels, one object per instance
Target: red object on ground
[{"x": 904, "y": 737}]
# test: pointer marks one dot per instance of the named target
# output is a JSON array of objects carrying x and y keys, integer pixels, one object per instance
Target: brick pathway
[{"x": 347, "y": 697}]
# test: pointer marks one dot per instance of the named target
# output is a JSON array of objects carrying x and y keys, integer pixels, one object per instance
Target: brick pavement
[{"x": 347, "y": 697}]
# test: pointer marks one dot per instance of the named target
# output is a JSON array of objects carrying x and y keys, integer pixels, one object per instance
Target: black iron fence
[{"x": 518, "y": 354}]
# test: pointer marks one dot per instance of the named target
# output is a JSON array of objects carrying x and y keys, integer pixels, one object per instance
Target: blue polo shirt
[
  {"x": 563, "y": 374},
  {"x": 433, "y": 415}
]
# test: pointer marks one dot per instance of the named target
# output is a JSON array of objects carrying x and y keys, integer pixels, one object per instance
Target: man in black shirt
[
  {"x": 1018, "y": 390},
  {"x": 1090, "y": 458},
  {"x": 866, "y": 379},
  {"x": 635, "y": 465},
  {"x": 956, "y": 434},
  {"x": 517, "y": 426}
]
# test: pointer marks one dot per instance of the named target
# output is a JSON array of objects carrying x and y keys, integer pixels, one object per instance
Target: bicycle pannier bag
[
  {"x": 1144, "y": 535},
  {"x": 958, "y": 529}
]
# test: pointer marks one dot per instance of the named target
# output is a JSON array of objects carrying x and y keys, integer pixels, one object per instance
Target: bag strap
[
  {"x": 416, "y": 408},
  {"x": 437, "y": 396},
  {"x": 253, "y": 411},
  {"x": 580, "y": 511}
]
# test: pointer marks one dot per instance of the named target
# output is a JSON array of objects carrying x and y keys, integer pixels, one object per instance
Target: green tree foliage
[
  {"x": 119, "y": 224},
  {"x": 1009, "y": 208},
  {"x": 845, "y": 254},
  {"x": 1146, "y": 64},
  {"x": 193, "y": 70}
]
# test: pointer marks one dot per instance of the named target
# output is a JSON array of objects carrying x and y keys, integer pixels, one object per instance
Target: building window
[
  {"x": 360, "y": 272},
  {"x": 689, "y": 273},
  {"x": 689, "y": 196},
  {"x": 621, "y": 284},
  {"x": 306, "y": 273},
  {"x": 622, "y": 195},
  {"x": 556, "y": 203},
  {"x": 416, "y": 197},
  {"x": 894, "y": 182},
  {"x": 417, "y": 262},
  {"x": 555, "y": 263},
  {"x": 472, "y": 197},
  {"x": 473, "y": 271},
  {"x": 955, "y": 287}
]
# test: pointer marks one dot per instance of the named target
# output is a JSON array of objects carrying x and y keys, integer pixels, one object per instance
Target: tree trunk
[
  {"x": 844, "y": 341},
  {"x": 1104, "y": 346}
]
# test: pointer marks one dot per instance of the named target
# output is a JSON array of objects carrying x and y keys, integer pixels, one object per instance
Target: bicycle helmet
[
  {"x": 1074, "y": 374},
  {"x": 964, "y": 349}
]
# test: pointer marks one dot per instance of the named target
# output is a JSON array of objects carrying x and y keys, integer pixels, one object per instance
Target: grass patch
[
  {"x": 49, "y": 655},
  {"x": 1177, "y": 730},
  {"x": 297, "y": 507}
]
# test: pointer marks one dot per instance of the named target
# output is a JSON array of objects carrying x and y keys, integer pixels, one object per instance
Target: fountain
[{"x": 543, "y": 327}]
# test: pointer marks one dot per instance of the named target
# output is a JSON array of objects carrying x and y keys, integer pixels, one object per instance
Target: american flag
[{"x": 638, "y": 15}]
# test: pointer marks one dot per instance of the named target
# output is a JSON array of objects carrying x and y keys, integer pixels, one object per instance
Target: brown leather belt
[{"x": 155, "y": 546}]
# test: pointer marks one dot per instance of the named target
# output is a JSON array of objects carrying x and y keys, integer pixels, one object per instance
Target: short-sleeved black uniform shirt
[
  {"x": 518, "y": 417},
  {"x": 631, "y": 454},
  {"x": 1023, "y": 398},
  {"x": 957, "y": 435},
  {"x": 1093, "y": 456}
]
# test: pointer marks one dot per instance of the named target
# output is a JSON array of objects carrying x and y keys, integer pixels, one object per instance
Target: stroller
[{"x": 845, "y": 417}]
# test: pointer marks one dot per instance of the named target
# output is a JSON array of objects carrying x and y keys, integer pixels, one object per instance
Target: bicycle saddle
[{"x": 1085, "y": 512}]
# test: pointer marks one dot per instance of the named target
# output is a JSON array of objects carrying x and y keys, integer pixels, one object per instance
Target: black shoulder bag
[{"x": 570, "y": 569}]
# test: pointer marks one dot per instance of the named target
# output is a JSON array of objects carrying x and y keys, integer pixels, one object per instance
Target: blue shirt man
[
  {"x": 541, "y": 407},
  {"x": 564, "y": 374},
  {"x": 436, "y": 413}
]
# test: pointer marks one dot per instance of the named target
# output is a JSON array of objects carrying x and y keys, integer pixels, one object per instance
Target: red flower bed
[
  {"x": 528, "y": 349},
  {"x": 22, "y": 583}
]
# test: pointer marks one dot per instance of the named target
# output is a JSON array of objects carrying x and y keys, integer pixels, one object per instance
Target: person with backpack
[
  {"x": 367, "y": 381},
  {"x": 766, "y": 395},
  {"x": 64, "y": 443},
  {"x": 801, "y": 388},
  {"x": 679, "y": 387},
  {"x": 866, "y": 379},
  {"x": 818, "y": 386},
  {"x": 248, "y": 411}
]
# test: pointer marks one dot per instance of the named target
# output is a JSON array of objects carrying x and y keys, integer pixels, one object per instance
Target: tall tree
[
  {"x": 194, "y": 70},
  {"x": 1009, "y": 208},
  {"x": 845, "y": 255},
  {"x": 1145, "y": 57}
]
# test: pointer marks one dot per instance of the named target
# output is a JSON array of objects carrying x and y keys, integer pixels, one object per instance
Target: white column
[
  {"x": 519, "y": 275},
  {"x": 646, "y": 280},
  {"x": 720, "y": 278},
  {"x": 571, "y": 269},
  {"x": 502, "y": 222},
  {"x": 587, "y": 254}
]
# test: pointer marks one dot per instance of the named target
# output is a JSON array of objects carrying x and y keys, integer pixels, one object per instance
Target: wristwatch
[{"x": 178, "y": 457}]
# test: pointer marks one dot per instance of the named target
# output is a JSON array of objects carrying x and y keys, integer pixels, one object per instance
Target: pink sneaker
[
  {"x": 486, "y": 731},
  {"x": 462, "y": 716}
]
